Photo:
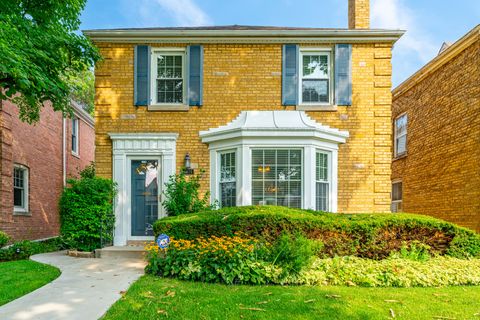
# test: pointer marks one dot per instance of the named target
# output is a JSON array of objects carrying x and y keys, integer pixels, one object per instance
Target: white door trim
[{"x": 134, "y": 146}]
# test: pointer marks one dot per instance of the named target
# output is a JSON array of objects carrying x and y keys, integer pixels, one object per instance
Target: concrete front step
[{"x": 132, "y": 252}]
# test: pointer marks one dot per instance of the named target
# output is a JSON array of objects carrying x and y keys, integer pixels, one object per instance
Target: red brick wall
[{"x": 39, "y": 147}]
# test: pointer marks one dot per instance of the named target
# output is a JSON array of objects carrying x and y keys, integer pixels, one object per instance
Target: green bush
[
  {"x": 373, "y": 236},
  {"x": 182, "y": 195},
  {"x": 294, "y": 253},
  {"x": 390, "y": 272},
  {"x": 3, "y": 239},
  {"x": 86, "y": 212},
  {"x": 24, "y": 249}
]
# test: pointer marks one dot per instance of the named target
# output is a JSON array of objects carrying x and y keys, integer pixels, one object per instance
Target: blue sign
[{"x": 163, "y": 241}]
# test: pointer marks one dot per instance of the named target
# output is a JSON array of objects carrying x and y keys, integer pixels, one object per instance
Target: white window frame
[
  {"x": 155, "y": 52},
  {"x": 397, "y": 203},
  {"x": 396, "y": 136},
  {"x": 24, "y": 208},
  {"x": 219, "y": 166},
  {"x": 329, "y": 178},
  {"x": 302, "y": 167},
  {"x": 318, "y": 51},
  {"x": 75, "y": 134}
]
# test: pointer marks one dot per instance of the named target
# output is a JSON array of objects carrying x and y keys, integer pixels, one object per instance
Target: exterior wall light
[{"x": 187, "y": 165}]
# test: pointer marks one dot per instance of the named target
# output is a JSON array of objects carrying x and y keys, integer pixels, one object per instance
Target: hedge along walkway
[{"x": 85, "y": 289}]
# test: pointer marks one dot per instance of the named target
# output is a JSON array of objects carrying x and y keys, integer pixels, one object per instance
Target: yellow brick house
[{"x": 296, "y": 117}]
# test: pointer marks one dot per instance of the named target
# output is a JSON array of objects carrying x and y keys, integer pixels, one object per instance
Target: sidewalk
[{"x": 85, "y": 290}]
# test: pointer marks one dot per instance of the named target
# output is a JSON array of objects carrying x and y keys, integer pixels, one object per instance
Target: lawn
[
  {"x": 156, "y": 298},
  {"x": 18, "y": 278}
]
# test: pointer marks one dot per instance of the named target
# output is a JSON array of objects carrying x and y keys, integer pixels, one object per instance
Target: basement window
[{"x": 397, "y": 196}]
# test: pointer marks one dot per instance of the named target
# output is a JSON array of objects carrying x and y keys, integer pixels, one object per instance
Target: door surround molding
[{"x": 128, "y": 146}]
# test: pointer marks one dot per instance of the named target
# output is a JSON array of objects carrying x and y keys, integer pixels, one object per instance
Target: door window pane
[{"x": 277, "y": 177}]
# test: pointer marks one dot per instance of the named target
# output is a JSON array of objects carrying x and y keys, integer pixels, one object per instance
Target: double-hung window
[
  {"x": 277, "y": 176},
  {"x": 400, "y": 135},
  {"x": 228, "y": 179},
  {"x": 75, "y": 136},
  {"x": 397, "y": 196},
  {"x": 20, "y": 188},
  {"x": 322, "y": 181},
  {"x": 315, "y": 77},
  {"x": 169, "y": 75}
]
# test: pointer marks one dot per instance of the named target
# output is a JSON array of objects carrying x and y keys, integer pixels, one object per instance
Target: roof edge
[
  {"x": 442, "y": 58},
  {"x": 160, "y": 35}
]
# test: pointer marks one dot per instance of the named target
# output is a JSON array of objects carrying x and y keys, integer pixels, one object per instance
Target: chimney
[{"x": 358, "y": 14}]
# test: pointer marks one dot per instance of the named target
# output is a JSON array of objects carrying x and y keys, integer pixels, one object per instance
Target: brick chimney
[{"x": 358, "y": 14}]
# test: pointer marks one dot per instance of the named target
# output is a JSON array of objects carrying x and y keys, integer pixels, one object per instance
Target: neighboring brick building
[
  {"x": 436, "y": 165},
  {"x": 147, "y": 127},
  {"x": 34, "y": 165}
]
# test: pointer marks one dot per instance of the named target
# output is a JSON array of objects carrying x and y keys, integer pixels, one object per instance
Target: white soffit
[{"x": 262, "y": 124}]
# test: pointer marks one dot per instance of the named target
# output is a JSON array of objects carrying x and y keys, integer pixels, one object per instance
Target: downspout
[{"x": 64, "y": 150}]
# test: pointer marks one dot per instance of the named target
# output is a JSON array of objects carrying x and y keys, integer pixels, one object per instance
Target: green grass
[
  {"x": 17, "y": 278},
  {"x": 156, "y": 298}
]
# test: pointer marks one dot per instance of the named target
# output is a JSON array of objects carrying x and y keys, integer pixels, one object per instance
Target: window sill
[
  {"x": 400, "y": 156},
  {"x": 21, "y": 212},
  {"x": 76, "y": 155},
  {"x": 316, "y": 107},
  {"x": 168, "y": 107}
]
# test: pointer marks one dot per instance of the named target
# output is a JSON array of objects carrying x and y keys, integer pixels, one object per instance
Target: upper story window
[
  {"x": 397, "y": 196},
  {"x": 168, "y": 68},
  {"x": 75, "y": 136},
  {"x": 20, "y": 188},
  {"x": 315, "y": 77},
  {"x": 228, "y": 179},
  {"x": 400, "y": 135}
]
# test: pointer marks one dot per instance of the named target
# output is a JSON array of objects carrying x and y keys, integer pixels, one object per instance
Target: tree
[
  {"x": 83, "y": 89},
  {"x": 40, "y": 52}
]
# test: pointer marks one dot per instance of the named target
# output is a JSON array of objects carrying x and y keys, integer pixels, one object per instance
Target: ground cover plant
[
  {"x": 160, "y": 298},
  {"x": 24, "y": 249},
  {"x": 18, "y": 278}
]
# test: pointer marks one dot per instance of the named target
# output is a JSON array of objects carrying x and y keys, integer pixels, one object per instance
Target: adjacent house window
[
  {"x": 228, "y": 181},
  {"x": 401, "y": 135},
  {"x": 397, "y": 196},
  {"x": 322, "y": 181},
  {"x": 315, "y": 77},
  {"x": 277, "y": 177},
  {"x": 20, "y": 188},
  {"x": 168, "y": 74},
  {"x": 75, "y": 136}
]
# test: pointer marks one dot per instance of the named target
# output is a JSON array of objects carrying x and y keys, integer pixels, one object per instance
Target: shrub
[
  {"x": 414, "y": 251},
  {"x": 3, "y": 239},
  {"x": 24, "y": 249},
  {"x": 293, "y": 253},
  {"x": 182, "y": 195},
  {"x": 390, "y": 272},
  {"x": 236, "y": 259},
  {"x": 86, "y": 211},
  {"x": 364, "y": 235}
]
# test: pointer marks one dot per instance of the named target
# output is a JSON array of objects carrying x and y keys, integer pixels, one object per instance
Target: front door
[{"x": 144, "y": 197}]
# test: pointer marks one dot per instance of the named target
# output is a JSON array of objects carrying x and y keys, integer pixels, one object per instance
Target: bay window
[
  {"x": 322, "y": 181},
  {"x": 228, "y": 181}
]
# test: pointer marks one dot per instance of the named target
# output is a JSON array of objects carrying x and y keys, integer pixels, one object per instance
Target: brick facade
[
  {"x": 248, "y": 77},
  {"x": 441, "y": 172},
  {"x": 39, "y": 148},
  {"x": 358, "y": 14}
]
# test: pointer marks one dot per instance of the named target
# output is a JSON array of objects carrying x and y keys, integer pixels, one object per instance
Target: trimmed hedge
[{"x": 372, "y": 236}]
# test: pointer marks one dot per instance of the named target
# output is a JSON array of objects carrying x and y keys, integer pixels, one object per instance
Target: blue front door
[{"x": 144, "y": 196}]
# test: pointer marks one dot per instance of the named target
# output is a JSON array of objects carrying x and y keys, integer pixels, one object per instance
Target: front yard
[
  {"x": 18, "y": 278},
  {"x": 156, "y": 298}
]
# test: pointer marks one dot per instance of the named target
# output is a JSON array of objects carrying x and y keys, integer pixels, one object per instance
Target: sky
[{"x": 428, "y": 23}]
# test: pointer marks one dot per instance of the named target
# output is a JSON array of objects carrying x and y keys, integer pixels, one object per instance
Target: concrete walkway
[{"x": 85, "y": 289}]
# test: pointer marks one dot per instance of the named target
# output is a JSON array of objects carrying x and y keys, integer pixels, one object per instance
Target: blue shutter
[
  {"x": 343, "y": 74},
  {"x": 290, "y": 75},
  {"x": 195, "y": 75},
  {"x": 142, "y": 76}
]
